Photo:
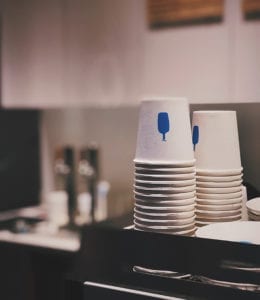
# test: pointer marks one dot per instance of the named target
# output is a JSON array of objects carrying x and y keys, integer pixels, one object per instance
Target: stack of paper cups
[
  {"x": 218, "y": 166},
  {"x": 164, "y": 187}
]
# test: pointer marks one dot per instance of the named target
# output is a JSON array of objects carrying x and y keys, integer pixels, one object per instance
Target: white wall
[
  {"x": 97, "y": 53},
  {"x": 206, "y": 63},
  {"x": 113, "y": 129},
  {"x": 219, "y": 62}
]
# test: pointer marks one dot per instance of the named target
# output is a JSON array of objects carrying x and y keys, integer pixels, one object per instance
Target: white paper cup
[
  {"x": 167, "y": 216},
  {"x": 174, "y": 228},
  {"x": 173, "y": 209},
  {"x": 165, "y": 177},
  {"x": 253, "y": 217},
  {"x": 164, "y": 171},
  {"x": 219, "y": 178},
  {"x": 218, "y": 219},
  {"x": 219, "y": 190},
  {"x": 166, "y": 165},
  {"x": 244, "y": 201},
  {"x": 253, "y": 206},
  {"x": 217, "y": 143},
  {"x": 166, "y": 197},
  {"x": 208, "y": 184},
  {"x": 224, "y": 207},
  {"x": 219, "y": 201},
  {"x": 155, "y": 222},
  {"x": 180, "y": 183},
  {"x": 219, "y": 196},
  {"x": 162, "y": 203},
  {"x": 216, "y": 173},
  {"x": 162, "y": 190},
  {"x": 164, "y": 133},
  {"x": 219, "y": 213},
  {"x": 189, "y": 232}
]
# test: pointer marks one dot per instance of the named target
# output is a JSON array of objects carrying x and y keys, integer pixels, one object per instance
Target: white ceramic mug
[{"x": 57, "y": 207}]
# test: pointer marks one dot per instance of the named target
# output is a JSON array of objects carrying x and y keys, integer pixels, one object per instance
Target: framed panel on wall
[
  {"x": 164, "y": 13},
  {"x": 251, "y": 9}
]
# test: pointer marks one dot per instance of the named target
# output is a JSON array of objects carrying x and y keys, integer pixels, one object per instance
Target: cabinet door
[
  {"x": 103, "y": 51},
  {"x": 32, "y": 53},
  {"x": 60, "y": 53}
]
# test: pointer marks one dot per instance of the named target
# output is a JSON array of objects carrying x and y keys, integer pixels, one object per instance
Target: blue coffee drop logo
[
  {"x": 163, "y": 124},
  {"x": 195, "y": 136}
]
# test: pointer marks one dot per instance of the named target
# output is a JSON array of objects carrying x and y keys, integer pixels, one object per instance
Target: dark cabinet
[
  {"x": 31, "y": 273},
  {"x": 104, "y": 269}
]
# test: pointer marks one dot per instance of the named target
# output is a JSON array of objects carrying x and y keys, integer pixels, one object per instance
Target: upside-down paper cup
[
  {"x": 215, "y": 140},
  {"x": 164, "y": 133}
]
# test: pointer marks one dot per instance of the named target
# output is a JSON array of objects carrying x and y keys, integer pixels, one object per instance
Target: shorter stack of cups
[
  {"x": 164, "y": 187},
  {"x": 253, "y": 209},
  {"x": 218, "y": 167}
]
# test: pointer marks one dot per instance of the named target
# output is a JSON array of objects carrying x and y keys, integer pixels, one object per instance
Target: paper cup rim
[
  {"x": 165, "y": 227},
  {"x": 238, "y": 199},
  {"x": 167, "y": 182},
  {"x": 167, "y": 202},
  {"x": 220, "y": 172},
  {"x": 218, "y": 190},
  {"x": 174, "y": 176},
  {"x": 218, "y": 219},
  {"x": 251, "y": 205},
  {"x": 188, "y": 220},
  {"x": 169, "y": 163},
  {"x": 208, "y": 207},
  {"x": 214, "y": 212},
  {"x": 218, "y": 111},
  {"x": 216, "y": 179},
  {"x": 220, "y": 184},
  {"x": 169, "y": 208},
  {"x": 166, "y": 98},
  {"x": 166, "y": 196}
]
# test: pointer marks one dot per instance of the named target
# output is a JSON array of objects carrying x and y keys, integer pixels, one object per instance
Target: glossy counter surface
[{"x": 24, "y": 226}]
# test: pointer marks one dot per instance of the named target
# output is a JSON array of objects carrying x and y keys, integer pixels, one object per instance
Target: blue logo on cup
[
  {"x": 195, "y": 136},
  {"x": 163, "y": 124}
]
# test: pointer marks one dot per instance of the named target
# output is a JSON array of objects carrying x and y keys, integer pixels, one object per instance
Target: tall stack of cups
[
  {"x": 218, "y": 167},
  {"x": 164, "y": 186}
]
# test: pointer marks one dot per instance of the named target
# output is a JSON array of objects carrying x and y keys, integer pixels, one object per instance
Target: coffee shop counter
[
  {"x": 23, "y": 227},
  {"x": 64, "y": 241}
]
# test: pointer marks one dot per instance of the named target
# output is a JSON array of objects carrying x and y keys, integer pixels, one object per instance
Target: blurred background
[
  {"x": 85, "y": 66},
  {"x": 73, "y": 73},
  {"x": 80, "y": 69}
]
